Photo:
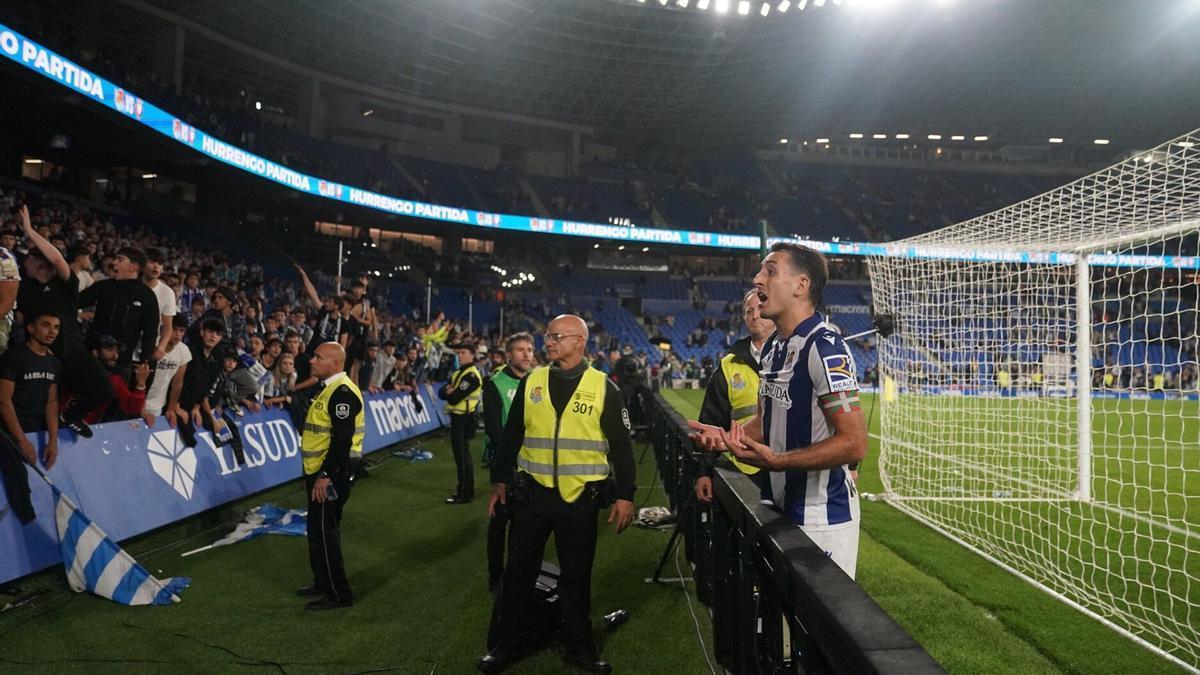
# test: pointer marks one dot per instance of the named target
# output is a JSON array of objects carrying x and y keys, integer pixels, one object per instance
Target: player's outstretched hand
[
  {"x": 707, "y": 436},
  {"x": 749, "y": 450}
]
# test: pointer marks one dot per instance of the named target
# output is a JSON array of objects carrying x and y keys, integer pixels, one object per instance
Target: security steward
[
  {"x": 566, "y": 423},
  {"x": 498, "y": 394},
  {"x": 462, "y": 395},
  {"x": 732, "y": 395},
  {"x": 331, "y": 447}
]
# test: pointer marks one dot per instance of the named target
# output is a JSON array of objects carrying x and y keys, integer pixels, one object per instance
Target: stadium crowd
[{"x": 107, "y": 323}]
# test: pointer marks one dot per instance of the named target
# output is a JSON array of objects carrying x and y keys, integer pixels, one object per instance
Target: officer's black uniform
[
  {"x": 541, "y": 511},
  {"x": 462, "y": 429},
  {"x": 493, "y": 428},
  {"x": 325, "y": 518}
]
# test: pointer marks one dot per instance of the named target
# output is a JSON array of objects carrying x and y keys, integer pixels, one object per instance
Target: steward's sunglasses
[{"x": 555, "y": 338}]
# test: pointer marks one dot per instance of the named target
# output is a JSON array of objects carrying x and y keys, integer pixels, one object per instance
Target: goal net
[{"x": 1040, "y": 391}]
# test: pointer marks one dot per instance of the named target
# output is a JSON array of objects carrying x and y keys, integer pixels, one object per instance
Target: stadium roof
[{"x": 637, "y": 73}]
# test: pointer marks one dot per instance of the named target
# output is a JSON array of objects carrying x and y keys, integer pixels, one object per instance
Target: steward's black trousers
[
  {"x": 496, "y": 534},
  {"x": 461, "y": 430},
  {"x": 573, "y": 525},
  {"x": 325, "y": 537}
]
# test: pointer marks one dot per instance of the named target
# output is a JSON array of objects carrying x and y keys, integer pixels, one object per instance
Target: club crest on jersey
[
  {"x": 787, "y": 363},
  {"x": 737, "y": 382},
  {"x": 536, "y": 395},
  {"x": 776, "y": 392},
  {"x": 839, "y": 373}
]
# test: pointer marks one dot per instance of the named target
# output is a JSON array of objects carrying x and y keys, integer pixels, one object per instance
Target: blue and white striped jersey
[{"x": 797, "y": 372}]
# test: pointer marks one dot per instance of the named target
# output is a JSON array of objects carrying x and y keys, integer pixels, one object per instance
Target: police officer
[
  {"x": 462, "y": 395},
  {"x": 331, "y": 447},
  {"x": 498, "y": 395},
  {"x": 732, "y": 395},
  {"x": 566, "y": 423}
]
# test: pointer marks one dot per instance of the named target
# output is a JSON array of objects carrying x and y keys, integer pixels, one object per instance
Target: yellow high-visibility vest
[
  {"x": 314, "y": 442},
  {"x": 565, "y": 452},
  {"x": 468, "y": 404},
  {"x": 741, "y": 381}
]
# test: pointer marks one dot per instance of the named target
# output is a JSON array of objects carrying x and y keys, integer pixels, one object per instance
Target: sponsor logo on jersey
[
  {"x": 839, "y": 373},
  {"x": 776, "y": 392}
]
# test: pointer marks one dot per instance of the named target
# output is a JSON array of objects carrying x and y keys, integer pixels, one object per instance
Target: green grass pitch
[
  {"x": 418, "y": 569},
  {"x": 939, "y": 590}
]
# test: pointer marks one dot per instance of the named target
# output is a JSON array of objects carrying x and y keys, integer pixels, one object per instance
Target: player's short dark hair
[
  {"x": 515, "y": 338},
  {"x": 178, "y": 321},
  {"x": 808, "y": 262}
]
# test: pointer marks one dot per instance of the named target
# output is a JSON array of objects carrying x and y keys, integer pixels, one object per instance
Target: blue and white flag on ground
[
  {"x": 267, "y": 519},
  {"x": 95, "y": 563}
]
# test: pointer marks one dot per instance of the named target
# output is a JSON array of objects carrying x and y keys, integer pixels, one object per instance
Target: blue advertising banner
[
  {"x": 130, "y": 478},
  {"x": 47, "y": 63}
]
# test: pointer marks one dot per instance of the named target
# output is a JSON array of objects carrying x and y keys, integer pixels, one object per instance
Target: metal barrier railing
[{"x": 778, "y": 603}]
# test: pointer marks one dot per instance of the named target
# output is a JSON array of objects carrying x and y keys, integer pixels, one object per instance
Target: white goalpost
[{"x": 1040, "y": 392}]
